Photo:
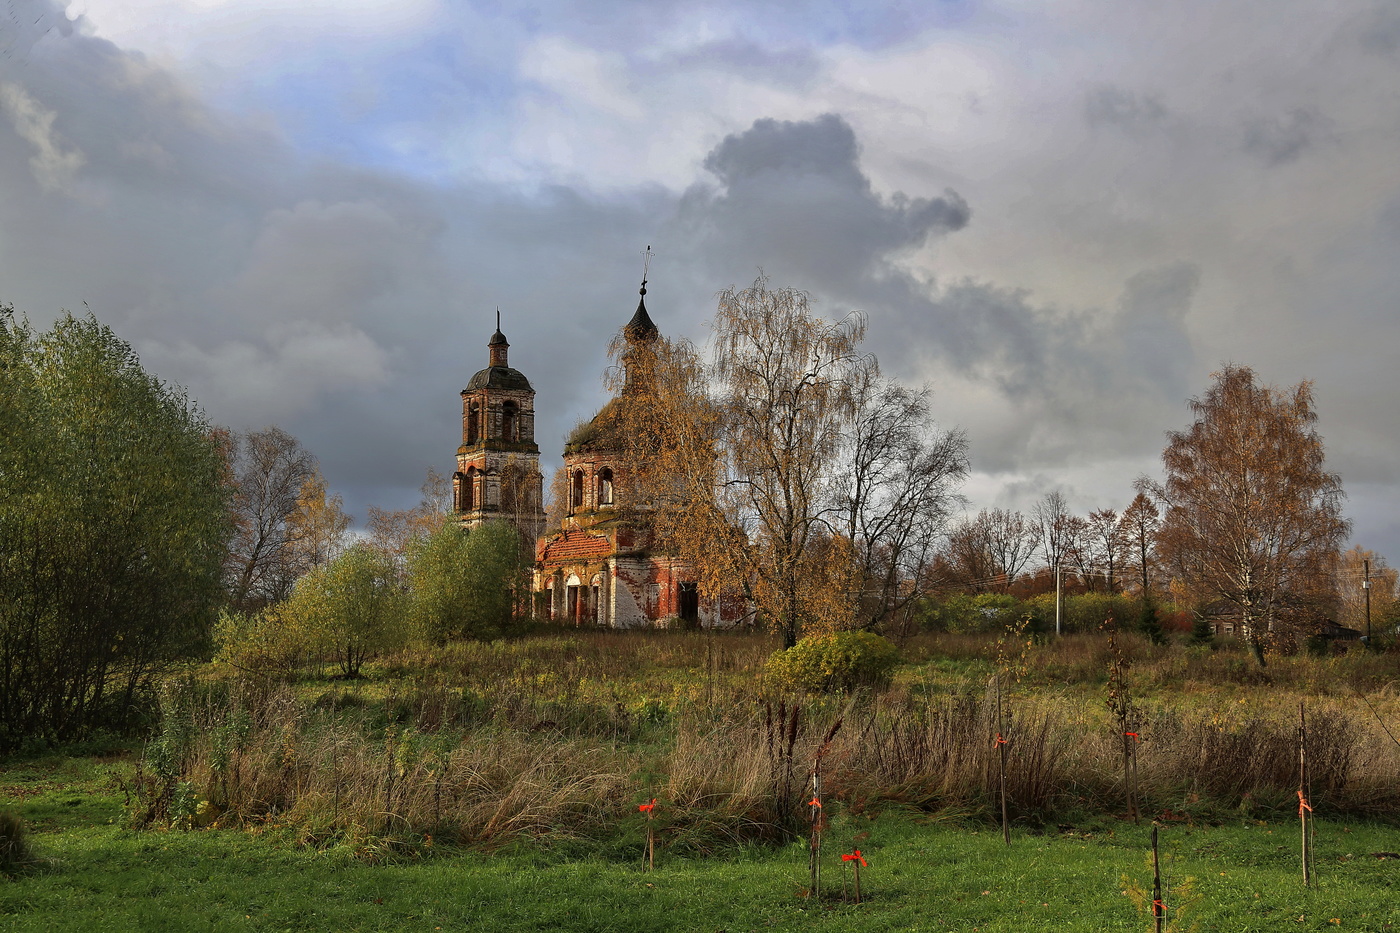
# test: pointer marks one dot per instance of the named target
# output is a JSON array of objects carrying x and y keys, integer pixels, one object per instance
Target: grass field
[{"x": 620, "y": 712}]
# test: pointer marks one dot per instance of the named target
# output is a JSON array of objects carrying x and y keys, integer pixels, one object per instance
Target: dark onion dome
[
  {"x": 641, "y": 329},
  {"x": 499, "y": 377}
]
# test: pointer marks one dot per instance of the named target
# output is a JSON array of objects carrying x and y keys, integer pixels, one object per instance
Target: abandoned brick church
[{"x": 601, "y": 566}]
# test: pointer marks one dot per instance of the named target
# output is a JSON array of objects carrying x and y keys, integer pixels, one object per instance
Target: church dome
[
  {"x": 498, "y": 377},
  {"x": 641, "y": 329}
]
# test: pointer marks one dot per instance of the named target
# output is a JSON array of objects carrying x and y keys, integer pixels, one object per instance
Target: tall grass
[
  {"x": 558, "y": 739},
  {"x": 15, "y": 853}
]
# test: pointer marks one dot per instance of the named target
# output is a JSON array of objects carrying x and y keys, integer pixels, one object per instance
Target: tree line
[
  {"x": 1246, "y": 528},
  {"x": 779, "y": 461}
]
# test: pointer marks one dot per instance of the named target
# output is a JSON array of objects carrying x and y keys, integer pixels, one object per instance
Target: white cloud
[
  {"x": 54, "y": 166},
  {"x": 236, "y": 33}
]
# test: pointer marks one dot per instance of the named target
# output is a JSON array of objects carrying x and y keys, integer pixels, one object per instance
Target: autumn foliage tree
[
  {"x": 1361, "y": 603},
  {"x": 785, "y": 465},
  {"x": 1138, "y": 530},
  {"x": 1252, "y": 518}
]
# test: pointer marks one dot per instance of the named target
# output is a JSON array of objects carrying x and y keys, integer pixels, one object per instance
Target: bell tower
[{"x": 498, "y": 465}]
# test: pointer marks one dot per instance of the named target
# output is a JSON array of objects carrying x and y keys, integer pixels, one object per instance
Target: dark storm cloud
[
  {"x": 1279, "y": 140},
  {"x": 794, "y": 200},
  {"x": 1107, "y": 105},
  {"x": 350, "y": 306}
]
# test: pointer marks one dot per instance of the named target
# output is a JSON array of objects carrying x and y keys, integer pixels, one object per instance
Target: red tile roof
[{"x": 578, "y": 546}]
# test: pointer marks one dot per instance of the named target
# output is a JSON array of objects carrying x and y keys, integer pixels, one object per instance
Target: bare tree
[
  {"x": 270, "y": 469},
  {"x": 968, "y": 558},
  {"x": 1102, "y": 549},
  {"x": 1060, "y": 531},
  {"x": 989, "y": 551},
  {"x": 894, "y": 495},
  {"x": 785, "y": 467},
  {"x": 391, "y": 532},
  {"x": 783, "y": 388},
  {"x": 1012, "y": 539},
  {"x": 1252, "y": 517}
]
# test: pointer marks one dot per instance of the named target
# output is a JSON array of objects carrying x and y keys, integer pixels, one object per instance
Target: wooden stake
[
  {"x": 814, "y": 847},
  {"x": 1001, "y": 752},
  {"x": 1132, "y": 779},
  {"x": 856, "y": 860},
  {"x": 650, "y": 810},
  {"x": 1159, "y": 909},
  {"x": 1304, "y": 807}
]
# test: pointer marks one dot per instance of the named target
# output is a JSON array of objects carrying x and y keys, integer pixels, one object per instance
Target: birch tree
[{"x": 1252, "y": 516}]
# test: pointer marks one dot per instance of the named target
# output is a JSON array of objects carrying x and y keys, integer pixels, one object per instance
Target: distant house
[
  {"x": 1333, "y": 632},
  {"x": 1226, "y": 621}
]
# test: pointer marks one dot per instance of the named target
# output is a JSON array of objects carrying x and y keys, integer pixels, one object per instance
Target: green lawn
[{"x": 922, "y": 875}]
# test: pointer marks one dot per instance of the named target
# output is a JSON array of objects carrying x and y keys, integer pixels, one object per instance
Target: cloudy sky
[{"x": 1063, "y": 216}]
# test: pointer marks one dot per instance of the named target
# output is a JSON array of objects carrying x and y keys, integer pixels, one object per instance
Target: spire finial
[
  {"x": 646, "y": 266},
  {"x": 498, "y": 317}
]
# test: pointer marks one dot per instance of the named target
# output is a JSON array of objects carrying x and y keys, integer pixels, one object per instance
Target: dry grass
[{"x": 560, "y": 738}]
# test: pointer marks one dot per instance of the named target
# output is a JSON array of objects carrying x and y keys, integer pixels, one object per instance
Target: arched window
[
  {"x": 510, "y": 422},
  {"x": 605, "y": 486},
  {"x": 473, "y": 422},
  {"x": 458, "y": 484},
  {"x": 469, "y": 490},
  {"x": 576, "y": 490}
]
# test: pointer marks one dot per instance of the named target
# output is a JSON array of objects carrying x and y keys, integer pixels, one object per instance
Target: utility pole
[
  {"x": 1057, "y": 600},
  {"x": 1366, "y": 585}
]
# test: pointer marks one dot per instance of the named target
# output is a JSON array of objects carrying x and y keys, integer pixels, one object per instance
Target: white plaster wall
[{"x": 627, "y": 609}]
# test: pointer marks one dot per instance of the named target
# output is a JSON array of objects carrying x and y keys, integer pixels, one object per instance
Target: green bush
[
  {"x": 349, "y": 609},
  {"x": 827, "y": 663},
  {"x": 259, "y": 643},
  {"x": 463, "y": 583},
  {"x": 1084, "y": 612},
  {"x": 113, "y": 523},
  {"x": 963, "y": 613}
]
